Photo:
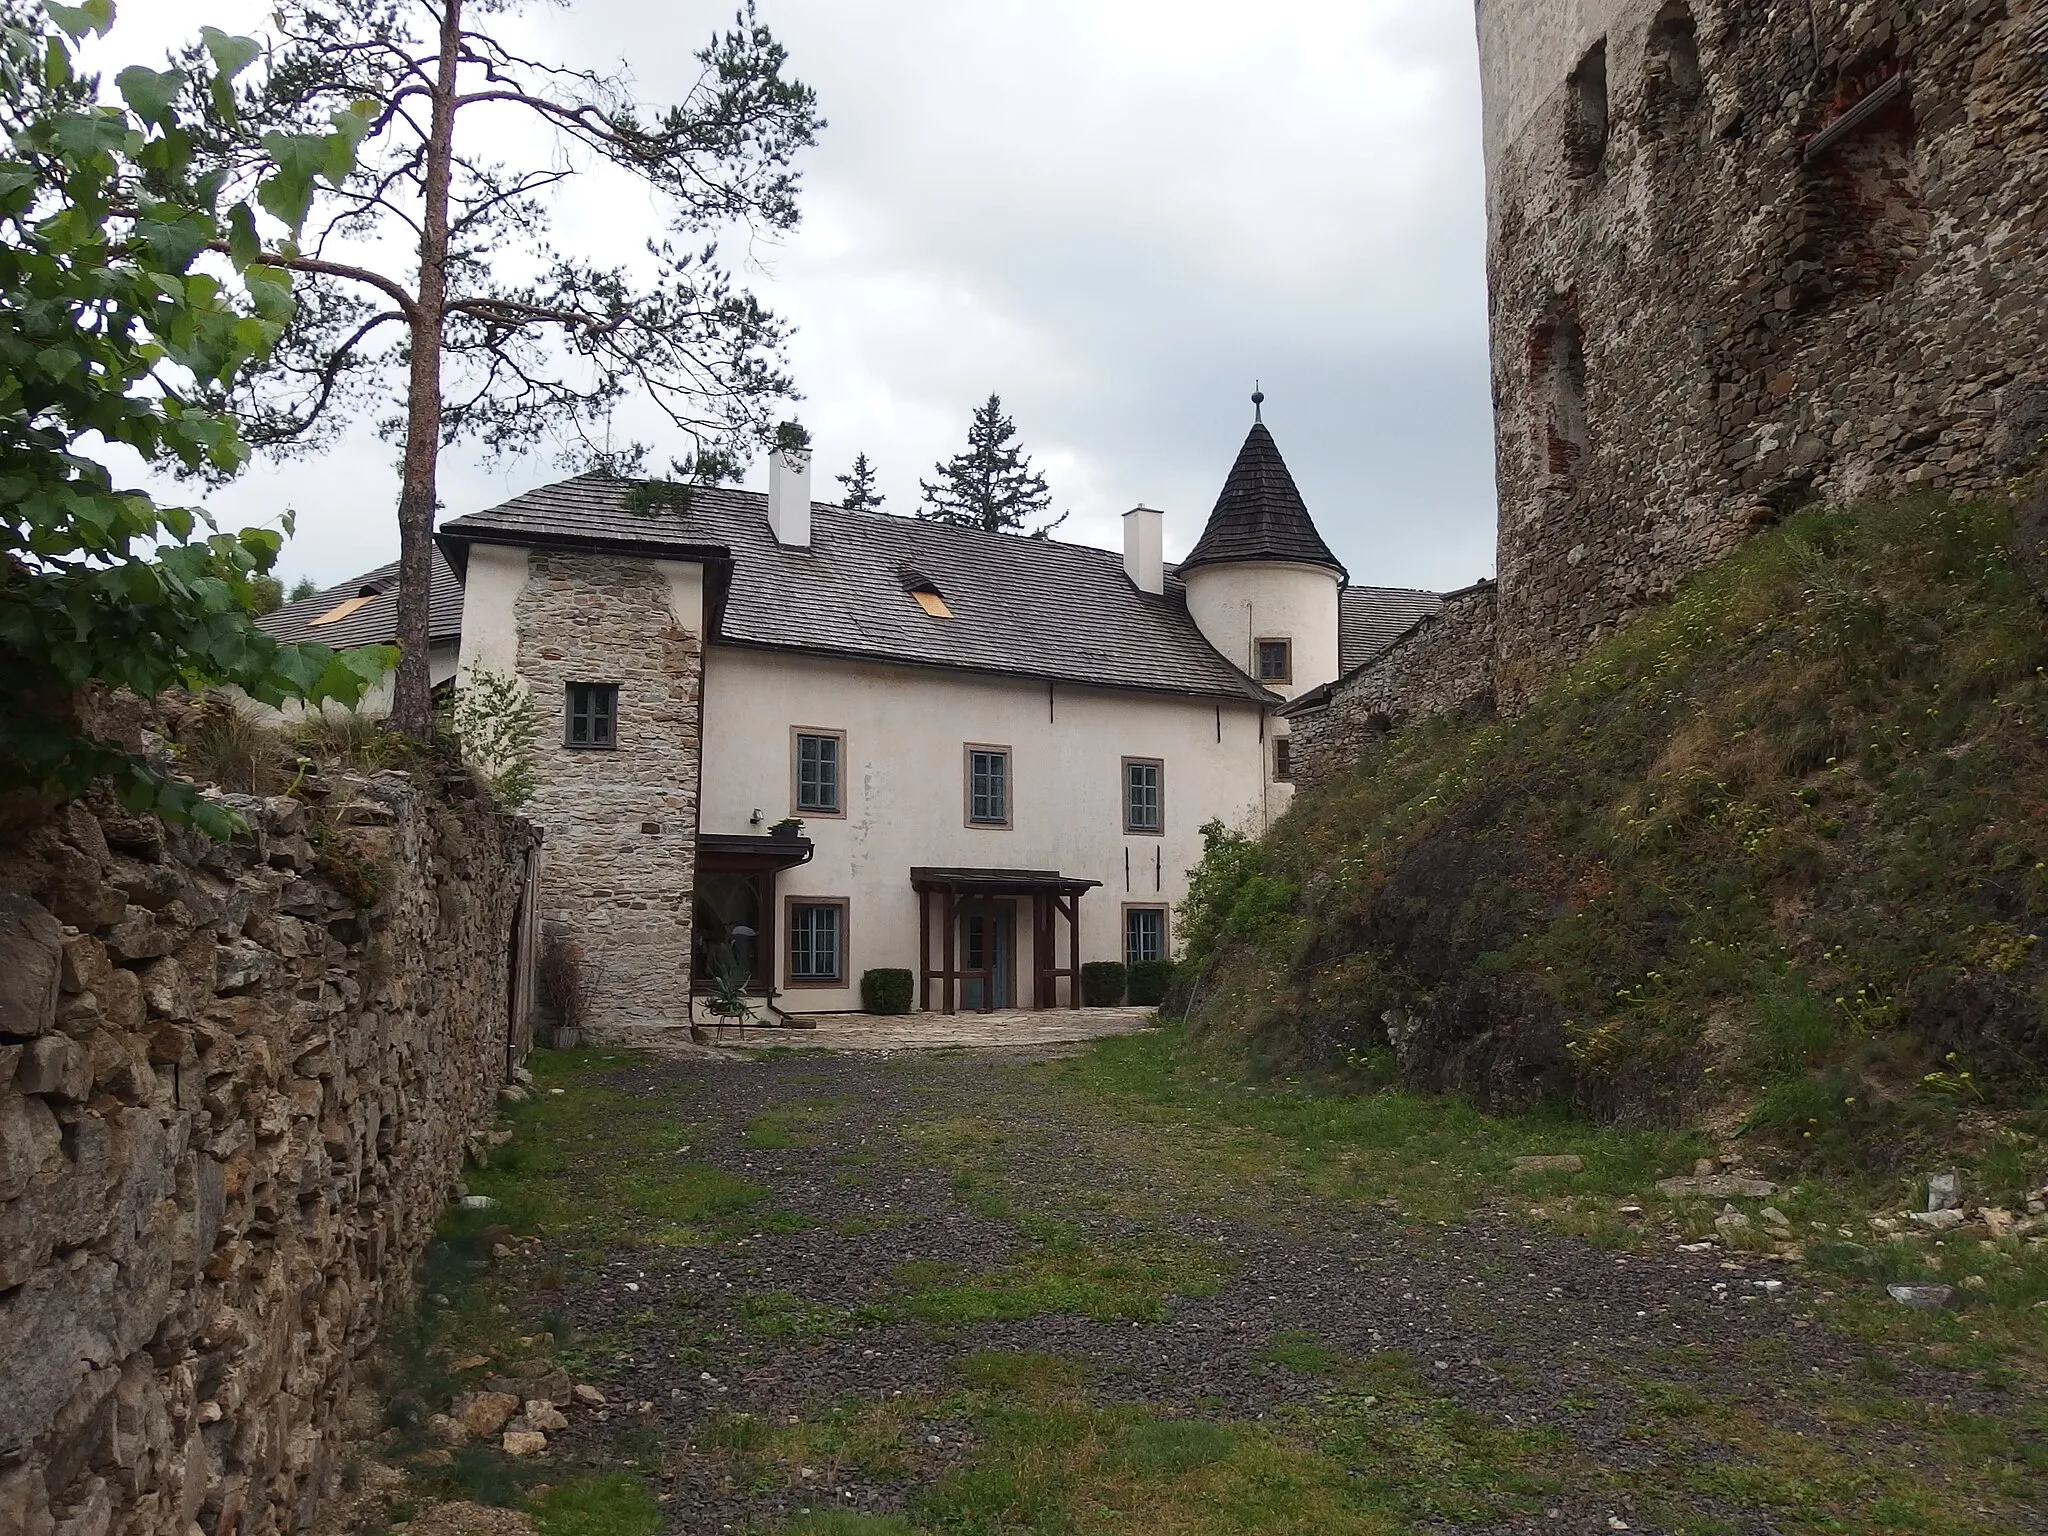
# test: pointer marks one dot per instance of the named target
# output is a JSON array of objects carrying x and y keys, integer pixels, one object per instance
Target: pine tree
[
  {"x": 992, "y": 485},
  {"x": 861, "y": 495}
]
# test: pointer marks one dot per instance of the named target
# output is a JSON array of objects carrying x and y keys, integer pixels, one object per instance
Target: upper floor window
[
  {"x": 592, "y": 716},
  {"x": 1144, "y": 795},
  {"x": 819, "y": 756},
  {"x": 817, "y": 942},
  {"x": 988, "y": 786},
  {"x": 1276, "y": 661}
]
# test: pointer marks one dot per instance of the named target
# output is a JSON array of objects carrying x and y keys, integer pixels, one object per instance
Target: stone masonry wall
[
  {"x": 1746, "y": 255},
  {"x": 237, "y": 1082},
  {"x": 622, "y": 823},
  {"x": 1444, "y": 663}
]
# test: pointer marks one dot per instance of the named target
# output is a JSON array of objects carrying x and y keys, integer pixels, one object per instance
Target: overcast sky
[{"x": 1116, "y": 214}]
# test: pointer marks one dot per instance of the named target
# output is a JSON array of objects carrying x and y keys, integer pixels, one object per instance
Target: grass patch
[
  {"x": 1062, "y": 1270},
  {"x": 599, "y": 1504}
]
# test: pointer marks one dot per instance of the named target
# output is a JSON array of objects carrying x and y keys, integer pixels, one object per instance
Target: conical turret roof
[{"x": 1260, "y": 515}]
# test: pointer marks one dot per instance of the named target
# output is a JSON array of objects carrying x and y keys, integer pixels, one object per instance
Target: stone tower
[{"x": 1745, "y": 255}]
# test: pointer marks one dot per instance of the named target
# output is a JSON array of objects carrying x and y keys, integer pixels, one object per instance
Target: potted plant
[{"x": 786, "y": 829}]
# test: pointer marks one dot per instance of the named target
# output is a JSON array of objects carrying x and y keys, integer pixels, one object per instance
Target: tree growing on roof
[
  {"x": 992, "y": 485},
  {"x": 860, "y": 494},
  {"x": 481, "y": 329}
]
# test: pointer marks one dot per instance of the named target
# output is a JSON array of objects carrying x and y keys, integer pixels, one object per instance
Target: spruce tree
[
  {"x": 992, "y": 485},
  {"x": 860, "y": 494}
]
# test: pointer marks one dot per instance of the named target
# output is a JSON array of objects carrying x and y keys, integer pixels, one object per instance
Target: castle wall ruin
[
  {"x": 1745, "y": 255},
  {"x": 237, "y": 1083}
]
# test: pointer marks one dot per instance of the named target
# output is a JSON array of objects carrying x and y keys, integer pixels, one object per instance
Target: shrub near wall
[
  {"x": 1102, "y": 983},
  {"x": 885, "y": 991},
  {"x": 237, "y": 1081},
  {"x": 1149, "y": 980}
]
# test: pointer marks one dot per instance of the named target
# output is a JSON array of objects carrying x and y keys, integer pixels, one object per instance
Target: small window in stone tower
[
  {"x": 1861, "y": 219},
  {"x": 1557, "y": 381},
  {"x": 593, "y": 715},
  {"x": 1672, "y": 79},
  {"x": 1276, "y": 661},
  {"x": 1585, "y": 130}
]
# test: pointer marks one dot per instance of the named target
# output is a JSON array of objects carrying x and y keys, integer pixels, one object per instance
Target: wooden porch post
[
  {"x": 1074, "y": 946},
  {"x": 952, "y": 906},
  {"x": 924, "y": 951}
]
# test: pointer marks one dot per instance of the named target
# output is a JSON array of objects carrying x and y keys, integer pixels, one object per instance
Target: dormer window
[
  {"x": 925, "y": 592},
  {"x": 347, "y": 606},
  {"x": 1276, "y": 661}
]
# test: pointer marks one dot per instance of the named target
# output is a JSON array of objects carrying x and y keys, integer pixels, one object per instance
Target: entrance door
[{"x": 988, "y": 941}]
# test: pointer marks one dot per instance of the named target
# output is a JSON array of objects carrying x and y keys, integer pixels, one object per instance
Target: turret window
[{"x": 1276, "y": 661}]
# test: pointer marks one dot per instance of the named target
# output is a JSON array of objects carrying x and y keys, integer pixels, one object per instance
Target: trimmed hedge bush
[
  {"x": 1102, "y": 983},
  {"x": 885, "y": 991},
  {"x": 1149, "y": 980}
]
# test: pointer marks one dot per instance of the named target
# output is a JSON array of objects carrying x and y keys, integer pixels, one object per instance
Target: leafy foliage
[
  {"x": 116, "y": 329},
  {"x": 1776, "y": 844},
  {"x": 992, "y": 485},
  {"x": 432, "y": 287},
  {"x": 497, "y": 726}
]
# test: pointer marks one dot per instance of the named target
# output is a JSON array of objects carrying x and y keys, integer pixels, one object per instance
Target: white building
[{"x": 1001, "y": 751}]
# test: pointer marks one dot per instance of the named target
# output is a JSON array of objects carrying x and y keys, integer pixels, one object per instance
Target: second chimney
[
  {"x": 1144, "y": 553},
  {"x": 789, "y": 497}
]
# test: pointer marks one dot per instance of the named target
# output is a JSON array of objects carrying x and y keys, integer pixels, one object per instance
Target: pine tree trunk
[{"x": 412, "y": 704}]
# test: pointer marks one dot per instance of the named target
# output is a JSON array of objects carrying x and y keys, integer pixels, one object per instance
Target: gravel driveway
[{"x": 964, "y": 1267}]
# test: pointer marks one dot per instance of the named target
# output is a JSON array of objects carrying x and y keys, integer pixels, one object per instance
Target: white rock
[{"x": 1944, "y": 1190}]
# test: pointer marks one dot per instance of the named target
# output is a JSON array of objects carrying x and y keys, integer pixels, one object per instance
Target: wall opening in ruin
[
  {"x": 1557, "y": 386},
  {"x": 1585, "y": 132},
  {"x": 1673, "y": 81},
  {"x": 1861, "y": 218}
]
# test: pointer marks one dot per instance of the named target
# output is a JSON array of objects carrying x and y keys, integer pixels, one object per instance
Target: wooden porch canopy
[{"x": 944, "y": 896}]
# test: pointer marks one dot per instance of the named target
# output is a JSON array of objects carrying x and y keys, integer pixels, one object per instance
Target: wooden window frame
[
  {"x": 967, "y": 815},
  {"x": 1283, "y": 759},
  {"x": 569, "y": 719},
  {"x": 1165, "y": 927},
  {"x": 1124, "y": 793},
  {"x": 790, "y": 980},
  {"x": 1286, "y": 644},
  {"x": 797, "y": 807}
]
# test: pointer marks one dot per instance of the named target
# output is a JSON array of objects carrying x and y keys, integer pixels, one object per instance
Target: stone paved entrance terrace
[{"x": 937, "y": 1031}]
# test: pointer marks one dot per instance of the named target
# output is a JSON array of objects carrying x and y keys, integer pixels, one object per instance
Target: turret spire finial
[{"x": 1258, "y": 403}]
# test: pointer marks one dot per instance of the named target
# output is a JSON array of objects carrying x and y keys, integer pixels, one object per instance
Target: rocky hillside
[{"x": 1771, "y": 858}]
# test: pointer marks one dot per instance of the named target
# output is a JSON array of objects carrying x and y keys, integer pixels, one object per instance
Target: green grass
[
  {"x": 598, "y": 1504},
  {"x": 1774, "y": 845}
]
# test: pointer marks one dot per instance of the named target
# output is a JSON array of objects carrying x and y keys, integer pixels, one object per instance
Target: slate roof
[
  {"x": 376, "y": 622},
  {"x": 1025, "y": 607},
  {"x": 1260, "y": 515},
  {"x": 1369, "y": 619}
]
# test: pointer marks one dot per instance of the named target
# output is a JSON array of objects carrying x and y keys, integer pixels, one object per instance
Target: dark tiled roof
[
  {"x": 1027, "y": 607},
  {"x": 1369, "y": 619},
  {"x": 1260, "y": 515},
  {"x": 376, "y": 622}
]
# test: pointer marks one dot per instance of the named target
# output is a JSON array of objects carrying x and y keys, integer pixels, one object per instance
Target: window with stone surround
[
  {"x": 591, "y": 719},
  {"x": 1144, "y": 934},
  {"x": 1586, "y": 119},
  {"x": 988, "y": 786},
  {"x": 1276, "y": 661},
  {"x": 817, "y": 941},
  {"x": 1283, "y": 759},
  {"x": 1144, "y": 795},
  {"x": 818, "y": 772}
]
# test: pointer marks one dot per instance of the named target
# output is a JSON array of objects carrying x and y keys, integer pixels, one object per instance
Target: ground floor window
[
  {"x": 817, "y": 942},
  {"x": 1144, "y": 934}
]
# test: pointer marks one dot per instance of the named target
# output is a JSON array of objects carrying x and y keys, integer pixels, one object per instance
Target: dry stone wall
[
  {"x": 622, "y": 823},
  {"x": 1443, "y": 664},
  {"x": 1746, "y": 255},
  {"x": 237, "y": 1082}
]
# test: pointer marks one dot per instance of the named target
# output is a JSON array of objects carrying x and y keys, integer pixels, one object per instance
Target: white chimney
[
  {"x": 1144, "y": 554},
  {"x": 789, "y": 497}
]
